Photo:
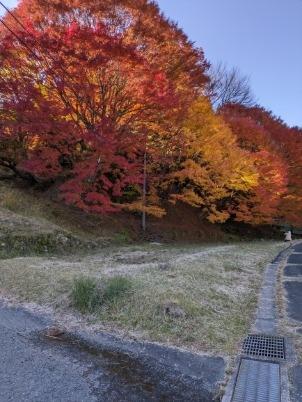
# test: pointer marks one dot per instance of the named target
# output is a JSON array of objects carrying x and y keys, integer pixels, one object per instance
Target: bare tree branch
[{"x": 228, "y": 86}]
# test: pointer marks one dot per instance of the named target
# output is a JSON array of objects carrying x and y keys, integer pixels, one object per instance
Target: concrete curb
[{"x": 266, "y": 321}]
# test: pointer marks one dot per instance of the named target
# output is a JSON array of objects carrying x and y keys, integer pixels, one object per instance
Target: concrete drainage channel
[
  {"x": 260, "y": 370},
  {"x": 261, "y": 374}
]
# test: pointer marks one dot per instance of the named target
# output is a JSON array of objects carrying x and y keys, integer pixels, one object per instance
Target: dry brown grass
[{"x": 216, "y": 287}]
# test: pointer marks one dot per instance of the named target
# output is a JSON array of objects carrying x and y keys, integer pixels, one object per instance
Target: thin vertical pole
[{"x": 144, "y": 192}]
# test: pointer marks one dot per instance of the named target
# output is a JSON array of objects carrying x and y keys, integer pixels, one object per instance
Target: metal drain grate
[
  {"x": 257, "y": 381},
  {"x": 265, "y": 346}
]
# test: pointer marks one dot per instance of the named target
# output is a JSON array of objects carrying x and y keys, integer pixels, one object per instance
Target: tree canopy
[{"x": 95, "y": 95}]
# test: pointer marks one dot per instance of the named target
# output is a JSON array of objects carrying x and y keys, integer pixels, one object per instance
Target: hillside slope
[
  {"x": 182, "y": 223},
  {"x": 21, "y": 236}
]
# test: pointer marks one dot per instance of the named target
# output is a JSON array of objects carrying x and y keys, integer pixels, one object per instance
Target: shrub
[
  {"x": 85, "y": 295},
  {"x": 115, "y": 288},
  {"x": 122, "y": 237},
  {"x": 10, "y": 200}
]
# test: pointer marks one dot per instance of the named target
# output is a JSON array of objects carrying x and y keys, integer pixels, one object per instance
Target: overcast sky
[{"x": 261, "y": 37}]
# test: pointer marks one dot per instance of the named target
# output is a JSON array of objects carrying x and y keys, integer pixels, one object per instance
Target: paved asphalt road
[
  {"x": 293, "y": 290},
  {"x": 34, "y": 368},
  {"x": 31, "y": 371}
]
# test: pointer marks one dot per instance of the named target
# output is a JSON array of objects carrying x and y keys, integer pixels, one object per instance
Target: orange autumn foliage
[{"x": 99, "y": 96}]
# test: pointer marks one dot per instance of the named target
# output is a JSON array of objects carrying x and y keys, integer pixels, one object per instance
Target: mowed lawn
[{"x": 212, "y": 288}]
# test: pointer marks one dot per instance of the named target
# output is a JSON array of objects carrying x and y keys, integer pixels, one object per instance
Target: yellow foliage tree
[{"x": 211, "y": 169}]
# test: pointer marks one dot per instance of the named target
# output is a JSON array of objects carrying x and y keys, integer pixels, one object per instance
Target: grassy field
[
  {"x": 202, "y": 297},
  {"x": 199, "y": 297}
]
